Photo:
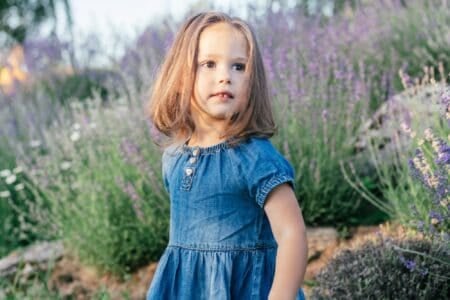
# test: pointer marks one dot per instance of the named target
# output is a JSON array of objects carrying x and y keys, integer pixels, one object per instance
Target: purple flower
[
  {"x": 436, "y": 215},
  {"x": 444, "y": 154},
  {"x": 136, "y": 201},
  {"x": 410, "y": 265},
  {"x": 441, "y": 190},
  {"x": 444, "y": 159},
  {"x": 445, "y": 97}
]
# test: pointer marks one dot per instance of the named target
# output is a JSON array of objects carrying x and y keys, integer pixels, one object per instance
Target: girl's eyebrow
[{"x": 212, "y": 56}]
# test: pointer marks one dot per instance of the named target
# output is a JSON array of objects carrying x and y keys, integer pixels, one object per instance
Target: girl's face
[{"x": 221, "y": 83}]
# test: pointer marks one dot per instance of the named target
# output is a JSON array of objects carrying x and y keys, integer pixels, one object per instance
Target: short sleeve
[{"x": 268, "y": 175}]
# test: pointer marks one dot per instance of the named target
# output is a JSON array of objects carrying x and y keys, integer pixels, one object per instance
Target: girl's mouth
[{"x": 223, "y": 95}]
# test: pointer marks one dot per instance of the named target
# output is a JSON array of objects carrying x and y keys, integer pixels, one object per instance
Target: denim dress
[{"x": 221, "y": 245}]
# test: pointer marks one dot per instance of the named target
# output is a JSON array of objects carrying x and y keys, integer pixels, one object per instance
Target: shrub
[
  {"x": 390, "y": 35},
  {"x": 15, "y": 193},
  {"x": 418, "y": 38},
  {"x": 101, "y": 187},
  {"x": 322, "y": 70},
  {"x": 431, "y": 167},
  {"x": 319, "y": 101},
  {"x": 374, "y": 271},
  {"x": 419, "y": 201},
  {"x": 63, "y": 88},
  {"x": 401, "y": 196}
]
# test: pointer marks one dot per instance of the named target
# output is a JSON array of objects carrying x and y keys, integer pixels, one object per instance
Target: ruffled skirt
[{"x": 185, "y": 273}]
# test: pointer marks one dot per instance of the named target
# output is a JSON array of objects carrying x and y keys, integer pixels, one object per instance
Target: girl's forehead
[{"x": 222, "y": 37}]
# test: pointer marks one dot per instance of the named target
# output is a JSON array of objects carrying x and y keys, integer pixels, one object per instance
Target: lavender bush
[
  {"x": 28, "y": 109},
  {"x": 324, "y": 74},
  {"x": 403, "y": 197},
  {"x": 320, "y": 100},
  {"x": 419, "y": 201},
  {"x": 421, "y": 36},
  {"x": 102, "y": 194},
  {"x": 99, "y": 171},
  {"x": 373, "y": 271},
  {"x": 392, "y": 35},
  {"x": 431, "y": 167}
]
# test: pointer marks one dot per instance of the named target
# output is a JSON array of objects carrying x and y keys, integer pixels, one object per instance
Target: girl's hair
[{"x": 169, "y": 106}]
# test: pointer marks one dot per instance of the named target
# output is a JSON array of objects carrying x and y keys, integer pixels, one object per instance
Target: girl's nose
[
  {"x": 225, "y": 80},
  {"x": 224, "y": 76}
]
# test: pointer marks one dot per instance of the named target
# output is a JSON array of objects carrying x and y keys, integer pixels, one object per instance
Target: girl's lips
[{"x": 223, "y": 95}]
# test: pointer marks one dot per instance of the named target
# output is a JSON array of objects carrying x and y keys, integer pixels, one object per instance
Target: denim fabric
[{"x": 221, "y": 245}]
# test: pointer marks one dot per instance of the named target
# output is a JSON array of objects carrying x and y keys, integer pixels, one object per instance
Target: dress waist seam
[{"x": 222, "y": 248}]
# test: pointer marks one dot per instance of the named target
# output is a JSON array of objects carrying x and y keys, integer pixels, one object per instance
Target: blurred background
[{"x": 361, "y": 99}]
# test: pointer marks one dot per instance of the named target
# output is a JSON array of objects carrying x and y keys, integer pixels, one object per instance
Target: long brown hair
[{"x": 169, "y": 106}]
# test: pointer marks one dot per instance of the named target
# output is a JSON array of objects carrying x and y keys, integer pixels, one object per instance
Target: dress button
[
  {"x": 195, "y": 151},
  {"x": 192, "y": 160},
  {"x": 188, "y": 171}
]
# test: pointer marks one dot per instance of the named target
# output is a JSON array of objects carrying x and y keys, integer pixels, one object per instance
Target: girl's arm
[{"x": 289, "y": 230}]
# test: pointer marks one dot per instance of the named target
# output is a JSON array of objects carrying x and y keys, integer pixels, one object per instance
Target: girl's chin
[{"x": 220, "y": 116}]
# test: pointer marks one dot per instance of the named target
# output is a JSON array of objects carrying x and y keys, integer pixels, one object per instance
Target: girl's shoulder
[
  {"x": 172, "y": 150},
  {"x": 260, "y": 149},
  {"x": 260, "y": 154},
  {"x": 171, "y": 155}
]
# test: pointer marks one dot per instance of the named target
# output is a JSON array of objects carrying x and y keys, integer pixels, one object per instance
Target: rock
[
  {"x": 391, "y": 125},
  {"x": 324, "y": 244},
  {"x": 320, "y": 239},
  {"x": 32, "y": 259},
  {"x": 318, "y": 263},
  {"x": 321, "y": 244}
]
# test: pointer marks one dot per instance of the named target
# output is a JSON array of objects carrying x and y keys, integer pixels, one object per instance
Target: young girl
[{"x": 236, "y": 230}]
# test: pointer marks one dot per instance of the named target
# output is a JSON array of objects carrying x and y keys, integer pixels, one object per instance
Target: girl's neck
[
  {"x": 207, "y": 133},
  {"x": 205, "y": 139}
]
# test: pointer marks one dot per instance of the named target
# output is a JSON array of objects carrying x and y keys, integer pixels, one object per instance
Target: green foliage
[
  {"x": 15, "y": 229},
  {"x": 430, "y": 166},
  {"x": 111, "y": 209},
  {"x": 397, "y": 191},
  {"x": 26, "y": 287},
  {"x": 107, "y": 204},
  {"x": 63, "y": 89},
  {"x": 376, "y": 271},
  {"x": 400, "y": 195},
  {"x": 8, "y": 242},
  {"x": 414, "y": 37},
  {"x": 315, "y": 135},
  {"x": 418, "y": 37},
  {"x": 36, "y": 289},
  {"x": 406, "y": 35}
]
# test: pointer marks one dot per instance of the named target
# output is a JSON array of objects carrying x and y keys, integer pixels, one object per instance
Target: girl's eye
[
  {"x": 209, "y": 64},
  {"x": 239, "y": 67}
]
